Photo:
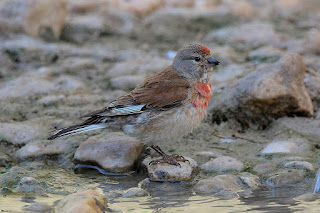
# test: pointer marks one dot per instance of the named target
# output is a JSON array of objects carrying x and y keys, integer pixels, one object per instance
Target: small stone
[
  {"x": 29, "y": 185},
  {"x": 291, "y": 146},
  {"x": 218, "y": 184},
  {"x": 39, "y": 207},
  {"x": 249, "y": 179},
  {"x": 265, "y": 54},
  {"x": 205, "y": 156},
  {"x": 114, "y": 153},
  {"x": 25, "y": 86},
  {"x": 246, "y": 34},
  {"x": 128, "y": 82},
  {"x": 86, "y": 201},
  {"x": 286, "y": 178},
  {"x": 33, "y": 150},
  {"x": 222, "y": 164},
  {"x": 135, "y": 192},
  {"x": 308, "y": 197},
  {"x": 166, "y": 172},
  {"x": 299, "y": 165},
  {"x": 312, "y": 82},
  {"x": 21, "y": 133},
  {"x": 264, "y": 168}
]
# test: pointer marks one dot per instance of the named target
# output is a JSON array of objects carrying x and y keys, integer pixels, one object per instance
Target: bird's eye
[{"x": 197, "y": 58}]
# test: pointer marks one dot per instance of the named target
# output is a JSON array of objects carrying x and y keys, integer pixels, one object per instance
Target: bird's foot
[{"x": 169, "y": 159}]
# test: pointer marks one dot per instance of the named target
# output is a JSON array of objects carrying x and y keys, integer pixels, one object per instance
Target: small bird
[{"x": 166, "y": 106}]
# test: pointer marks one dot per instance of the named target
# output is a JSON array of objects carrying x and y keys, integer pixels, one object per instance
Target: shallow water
[{"x": 164, "y": 196}]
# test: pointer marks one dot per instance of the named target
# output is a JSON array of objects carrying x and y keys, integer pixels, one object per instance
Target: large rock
[
  {"x": 167, "y": 172},
  {"x": 81, "y": 202},
  {"x": 275, "y": 91},
  {"x": 222, "y": 164},
  {"x": 114, "y": 153}
]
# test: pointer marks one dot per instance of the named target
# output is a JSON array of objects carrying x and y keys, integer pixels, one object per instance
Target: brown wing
[{"x": 163, "y": 90}]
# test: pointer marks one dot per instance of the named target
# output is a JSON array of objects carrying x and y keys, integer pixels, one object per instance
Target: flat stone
[
  {"x": 252, "y": 34},
  {"x": 21, "y": 133},
  {"x": 26, "y": 86},
  {"x": 202, "y": 157},
  {"x": 166, "y": 172},
  {"x": 222, "y": 164},
  {"x": 308, "y": 197},
  {"x": 128, "y": 82},
  {"x": 85, "y": 201},
  {"x": 265, "y": 168},
  {"x": 299, "y": 165},
  {"x": 135, "y": 192},
  {"x": 114, "y": 153},
  {"x": 33, "y": 150},
  {"x": 39, "y": 207},
  {"x": 290, "y": 146},
  {"x": 218, "y": 184},
  {"x": 29, "y": 185},
  {"x": 286, "y": 178}
]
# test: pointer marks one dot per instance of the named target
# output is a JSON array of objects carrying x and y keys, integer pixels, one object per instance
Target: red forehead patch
[{"x": 205, "y": 49}]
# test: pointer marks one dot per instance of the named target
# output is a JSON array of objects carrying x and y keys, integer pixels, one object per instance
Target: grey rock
[
  {"x": 265, "y": 54},
  {"x": 222, "y": 164},
  {"x": 249, "y": 179},
  {"x": 29, "y": 185},
  {"x": 299, "y": 165},
  {"x": 308, "y": 197},
  {"x": 164, "y": 23},
  {"x": 113, "y": 152},
  {"x": 275, "y": 91},
  {"x": 25, "y": 86},
  {"x": 166, "y": 172},
  {"x": 265, "y": 168},
  {"x": 33, "y": 150},
  {"x": 289, "y": 146},
  {"x": 312, "y": 81},
  {"x": 205, "y": 156},
  {"x": 39, "y": 207},
  {"x": 248, "y": 35},
  {"x": 217, "y": 184},
  {"x": 128, "y": 82},
  {"x": 286, "y": 178},
  {"x": 135, "y": 192},
  {"x": 308, "y": 128},
  {"x": 21, "y": 133}
]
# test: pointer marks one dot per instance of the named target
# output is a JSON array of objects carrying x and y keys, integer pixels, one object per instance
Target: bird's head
[{"x": 195, "y": 62}]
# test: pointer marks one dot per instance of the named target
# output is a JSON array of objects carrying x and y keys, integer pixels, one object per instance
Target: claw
[{"x": 170, "y": 159}]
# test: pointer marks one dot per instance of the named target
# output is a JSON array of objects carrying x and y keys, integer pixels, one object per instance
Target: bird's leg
[{"x": 170, "y": 159}]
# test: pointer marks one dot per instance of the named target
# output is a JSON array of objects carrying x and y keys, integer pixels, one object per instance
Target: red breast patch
[{"x": 205, "y": 49}]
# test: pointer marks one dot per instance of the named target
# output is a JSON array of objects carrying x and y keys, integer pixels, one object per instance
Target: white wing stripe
[{"x": 127, "y": 110}]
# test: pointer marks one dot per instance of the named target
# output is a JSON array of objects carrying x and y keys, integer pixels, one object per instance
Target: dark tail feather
[{"x": 76, "y": 129}]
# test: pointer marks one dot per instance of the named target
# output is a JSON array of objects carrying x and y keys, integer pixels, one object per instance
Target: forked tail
[{"x": 76, "y": 129}]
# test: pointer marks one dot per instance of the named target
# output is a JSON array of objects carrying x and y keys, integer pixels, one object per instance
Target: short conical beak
[{"x": 213, "y": 61}]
